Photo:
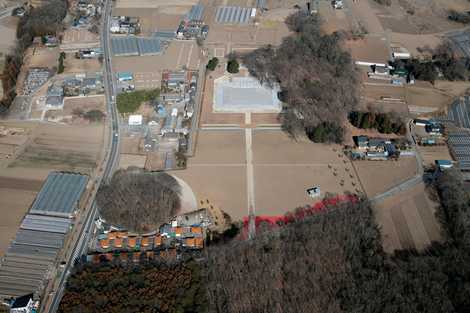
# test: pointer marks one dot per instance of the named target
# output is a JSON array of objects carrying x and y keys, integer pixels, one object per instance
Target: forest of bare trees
[
  {"x": 334, "y": 262},
  {"x": 148, "y": 287},
  {"x": 139, "y": 201},
  {"x": 317, "y": 78},
  {"x": 331, "y": 261},
  {"x": 40, "y": 21}
]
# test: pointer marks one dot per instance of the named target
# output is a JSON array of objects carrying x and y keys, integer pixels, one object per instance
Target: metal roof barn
[
  {"x": 232, "y": 15},
  {"x": 59, "y": 195},
  {"x": 196, "y": 13},
  {"x": 124, "y": 46}
]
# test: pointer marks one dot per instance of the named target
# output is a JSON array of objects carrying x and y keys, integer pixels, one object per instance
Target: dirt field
[
  {"x": 15, "y": 203},
  {"x": 73, "y": 65},
  {"x": 432, "y": 153},
  {"x": 379, "y": 176},
  {"x": 72, "y": 105},
  {"x": 153, "y": 3},
  {"x": 372, "y": 48},
  {"x": 7, "y": 33},
  {"x": 60, "y": 147},
  {"x": 74, "y": 36},
  {"x": 419, "y": 16},
  {"x": 220, "y": 162},
  {"x": 407, "y": 220},
  {"x": 126, "y": 160}
]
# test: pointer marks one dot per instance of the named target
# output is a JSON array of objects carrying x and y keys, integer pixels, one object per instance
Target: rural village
[{"x": 140, "y": 131}]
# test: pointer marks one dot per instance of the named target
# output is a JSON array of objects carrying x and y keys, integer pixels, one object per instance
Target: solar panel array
[
  {"x": 196, "y": 13},
  {"x": 460, "y": 112},
  {"x": 60, "y": 194},
  {"x": 459, "y": 143},
  {"x": 134, "y": 46},
  {"x": 232, "y": 15}
]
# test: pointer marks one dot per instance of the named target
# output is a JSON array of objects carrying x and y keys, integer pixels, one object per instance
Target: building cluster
[
  {"x": 125, "y": 25},
  {"x": 165, "y": 132},
  {"x": 87, "y": 12},
  {"x": 185, "y": 233},
  {"x": 83, "y": 85},
  {"x": 374, "y": 149},
  {"x": 33, "y": 254},
  {"x": 192, "y": 26},
  {"x": 92, "y": 53},
  {"x": 431, "y": 133},
  {"x": 35, "y": 79}
]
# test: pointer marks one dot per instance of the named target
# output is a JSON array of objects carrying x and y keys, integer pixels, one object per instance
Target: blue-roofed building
[
  {"x": 125, "y": 76},
  {"x": 444, "y": 164},
  {"x": 233, "y": 15},
  {"x": 60, "y": 194},
  {"x": 195, "y": 13}
]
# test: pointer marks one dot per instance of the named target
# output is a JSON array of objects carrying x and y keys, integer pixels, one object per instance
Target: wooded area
[
  {"x": 385, "y": 123},
  {"x": 148, "y": 287},
  {"x": 129, "y": 102},
  {"x": 40, "y": 21},
  {"x": 334, "y": 262},
  {"x": 139, "y": 201},
  {"x": 317, "y": 78},
  {"x": 331, "y": 261}
]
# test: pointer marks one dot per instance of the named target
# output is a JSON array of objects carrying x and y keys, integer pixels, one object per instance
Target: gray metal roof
[
  {"x": 196, "y": 13},
  {"x": 165, "y": 34},
  {"x": 124, "y": 46},
  {"x": 46, "y": 223},
  {"x": 459, "y": 144},
  {"x": 134, "y": 46},
  {"x": 462, "y": 40},
  {"x": 59, "y": 194},
  {"x": 459, "y": 112},
  {"x": 261, "y": 4},
  {"x": 232, "y": 15},
  {"x": 39, "y": 238},
  {"x": 149, "y": 46}
]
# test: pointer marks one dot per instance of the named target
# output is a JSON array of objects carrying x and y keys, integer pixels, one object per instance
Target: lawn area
[{"x": 130, "y": 101}]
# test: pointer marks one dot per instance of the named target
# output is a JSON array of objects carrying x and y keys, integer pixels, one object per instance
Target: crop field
[
  {"x": 379, "y": 176},
  {"x": 17, "y": 194},
  {"x": 407, "y": 220},
  {"x": 58, "y": 147}
]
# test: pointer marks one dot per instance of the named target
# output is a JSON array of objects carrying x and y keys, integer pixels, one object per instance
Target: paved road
[{"x": 80, "y": 246}]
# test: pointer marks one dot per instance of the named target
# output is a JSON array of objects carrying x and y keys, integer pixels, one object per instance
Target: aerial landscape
[{"x": 236, "y": 156}]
